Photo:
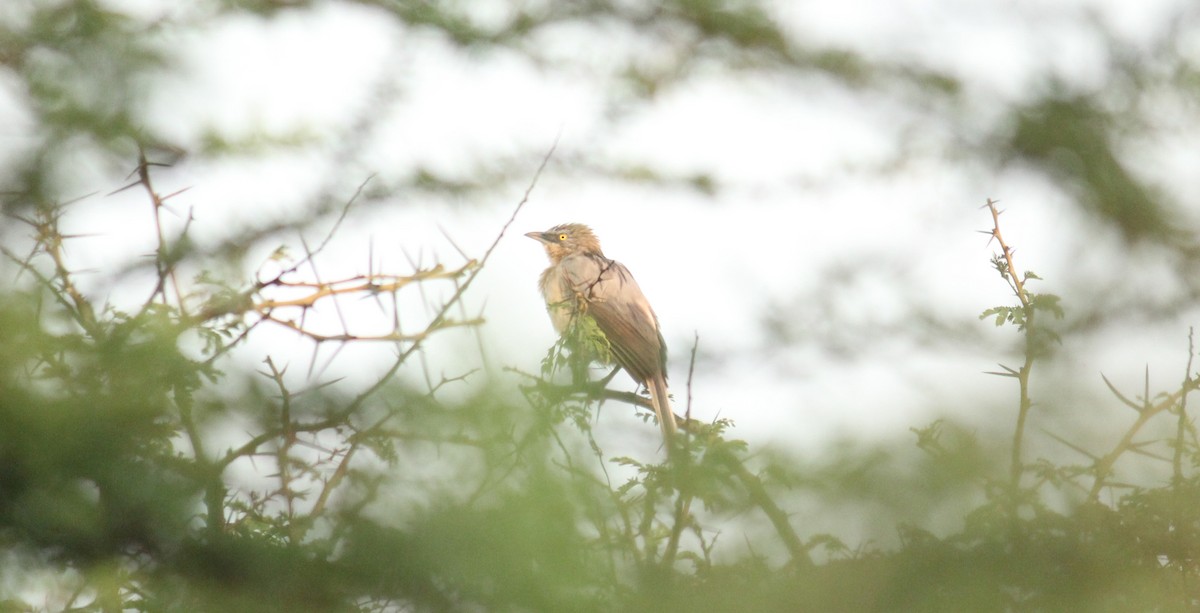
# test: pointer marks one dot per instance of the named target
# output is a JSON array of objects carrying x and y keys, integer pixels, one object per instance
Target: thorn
[
  {"x": 121, "y": 189},
  {"x": 173, "y": 194}
]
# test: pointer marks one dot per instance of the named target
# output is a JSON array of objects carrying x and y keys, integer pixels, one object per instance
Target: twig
[
  {"x": 1181, "y": 426},
  {"x": 389, "y": 337},
  {"x": 1103, "y": 466},
  {"x": 164, "y": 261},
  {"x": 445, "y": 308},
  {"x": 779, "y": 519},
  {"x": 1018, "y": 286},
  {"x": 684, "y": 501}
]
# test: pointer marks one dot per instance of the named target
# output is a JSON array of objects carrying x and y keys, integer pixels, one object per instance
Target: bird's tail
[{"x": 662, "y": 408}]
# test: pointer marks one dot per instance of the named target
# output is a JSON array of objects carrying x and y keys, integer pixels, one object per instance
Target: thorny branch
[
  {"x": 1015, "y": 281},
  {"x": 702, "y": 440},
  {"x": 1102, "y": 467},
  {"x": 164, "y": 259},
  {"x": 1008, "y": 271},
  {"x": 312, "y": 293},
  {"x": 284, "y": 299},
  {"x": 1182, "y": 424},
  {"x": 49, "y": 240}
]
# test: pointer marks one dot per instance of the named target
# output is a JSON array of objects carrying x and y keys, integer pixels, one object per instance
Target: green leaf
[
  {"x": 1002, "y": 314},
  {"x": 1047, "y": 302}
]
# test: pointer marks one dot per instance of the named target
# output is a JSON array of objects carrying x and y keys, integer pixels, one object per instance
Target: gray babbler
[{"x": 582, "y": 281}]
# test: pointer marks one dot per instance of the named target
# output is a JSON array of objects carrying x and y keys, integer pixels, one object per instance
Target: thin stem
[
  {"x": 1181, "y": 427},
  {"x": 1031, "y": 348},
  {"x": 1104, "y": 465}
]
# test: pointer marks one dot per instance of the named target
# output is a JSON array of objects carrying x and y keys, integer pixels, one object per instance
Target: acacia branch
[
  {"x": 1181, "y": 426},
  {"x": 1022, "y": 375},
  {"x": 779, "y": 519},
  {"x": 1018, "y": 283},
  {"x": 458, "y": 294},
  {"x": 164, "y": 260},
  {"x": 1102, "y": 468},
  {"x": 49, "y": 240},
  {"x": 394, "y": 336}
]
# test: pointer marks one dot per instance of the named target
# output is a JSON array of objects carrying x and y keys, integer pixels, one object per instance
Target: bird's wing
[{"x": 621, "y": 311}]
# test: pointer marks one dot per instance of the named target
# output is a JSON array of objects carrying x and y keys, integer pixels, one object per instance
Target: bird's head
[{"x": 567, "y": 239}]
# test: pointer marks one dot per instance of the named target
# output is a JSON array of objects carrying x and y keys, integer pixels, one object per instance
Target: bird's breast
[{"x": 560, "y": 300}]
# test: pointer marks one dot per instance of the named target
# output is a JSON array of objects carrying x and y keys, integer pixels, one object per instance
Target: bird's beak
[{"x": 537, "y": 236}]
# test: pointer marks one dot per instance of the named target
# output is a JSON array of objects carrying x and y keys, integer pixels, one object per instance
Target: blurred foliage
[
  {"x": 125, "y": 451},
  {"x": 118, "y": 490},
  {"x": 1074, "y": 140}
]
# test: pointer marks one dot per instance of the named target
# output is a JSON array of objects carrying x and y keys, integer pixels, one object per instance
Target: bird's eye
[{"x": 562, "y": 237}]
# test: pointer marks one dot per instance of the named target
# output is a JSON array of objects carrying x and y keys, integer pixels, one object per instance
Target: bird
[{"x": 581, "y": 280}]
